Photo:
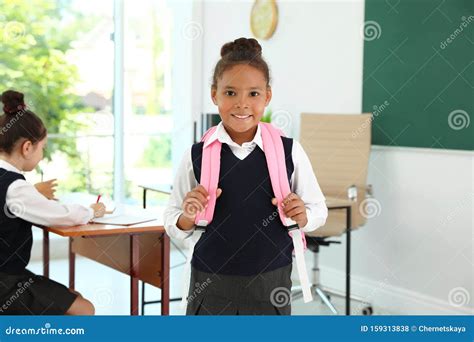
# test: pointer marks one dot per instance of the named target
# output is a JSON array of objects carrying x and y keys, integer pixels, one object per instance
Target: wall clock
[{"x": 264, "y": 18}]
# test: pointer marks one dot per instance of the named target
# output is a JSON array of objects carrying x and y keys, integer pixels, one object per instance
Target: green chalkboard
[{"x": 419, "y": 72}]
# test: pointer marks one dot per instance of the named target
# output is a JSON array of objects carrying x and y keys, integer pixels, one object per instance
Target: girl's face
[
  {"x": 241, "y": 96},
  {"x": 32, "y": 153}
]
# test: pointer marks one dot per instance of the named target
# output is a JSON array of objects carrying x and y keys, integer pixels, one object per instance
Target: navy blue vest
[
  {"x": 16, "y": 237},
  {"x": 246, "y": 236}
]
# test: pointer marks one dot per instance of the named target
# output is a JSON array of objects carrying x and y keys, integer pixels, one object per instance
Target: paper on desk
[{"x": 123, "y": 219}]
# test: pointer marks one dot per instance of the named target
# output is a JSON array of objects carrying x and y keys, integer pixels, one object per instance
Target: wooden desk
[
  {"x": 146, "y": 258},
  {"x": 166, "y": 190}
]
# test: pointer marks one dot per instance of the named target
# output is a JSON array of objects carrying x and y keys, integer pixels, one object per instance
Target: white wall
[
  {"x": 418, "y": 251},
  {"x": 315, "y": 55}
]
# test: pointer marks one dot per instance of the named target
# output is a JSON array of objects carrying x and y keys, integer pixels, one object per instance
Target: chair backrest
[{"x": 338, "y": 147}]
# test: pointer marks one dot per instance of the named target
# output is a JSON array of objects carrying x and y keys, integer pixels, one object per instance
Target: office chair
[{"x": 338, "y": 147}]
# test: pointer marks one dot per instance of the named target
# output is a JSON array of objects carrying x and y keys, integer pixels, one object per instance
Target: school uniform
[
  {"x": 244, "y": 258},
  {"x": 21, "y": 291}
]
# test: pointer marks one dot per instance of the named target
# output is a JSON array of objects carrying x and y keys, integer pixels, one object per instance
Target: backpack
[{"x": 210, "y": 168}]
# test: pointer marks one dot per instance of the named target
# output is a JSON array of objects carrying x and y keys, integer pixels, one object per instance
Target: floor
[{"x": 109, "y": 290}]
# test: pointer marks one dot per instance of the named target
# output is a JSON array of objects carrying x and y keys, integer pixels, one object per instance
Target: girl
[
  {"x": 243, "y": 261},
  {"x": 22, "y": 140}
]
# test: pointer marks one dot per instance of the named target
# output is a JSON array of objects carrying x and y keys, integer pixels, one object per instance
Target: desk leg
[
  {"x": 72, "y": 266},
  {"x": 45, "y": 253},
  {"x": 143, "y": 283},
  {"x": 165, "y": 275},
  {"x": 348, "y": 261},
  {"x": 134, "y": 260}
]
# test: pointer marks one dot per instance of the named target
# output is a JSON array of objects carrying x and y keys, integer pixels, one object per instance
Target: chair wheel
[{"x": 367, "y": 311}]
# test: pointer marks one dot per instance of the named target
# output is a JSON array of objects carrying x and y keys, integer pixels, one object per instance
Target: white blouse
[
  {"x": 27, "y": 203},
  {"x": 303, "y": 183}
]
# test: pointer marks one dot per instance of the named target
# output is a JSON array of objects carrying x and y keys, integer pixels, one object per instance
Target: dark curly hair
[{"x": 241, "y": 51}]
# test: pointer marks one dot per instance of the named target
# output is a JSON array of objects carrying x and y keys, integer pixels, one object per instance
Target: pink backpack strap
[
  {"x": 208, "y": 133},
  {"x": 275, "y": 156},
  {"x": 210, "y": 168},
  {"x": 276, "y": 161}
]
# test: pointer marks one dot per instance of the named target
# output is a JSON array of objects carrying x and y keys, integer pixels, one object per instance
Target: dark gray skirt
[
  {"x": 30, "y": 294},
  {"x": 268, "y": 293}
]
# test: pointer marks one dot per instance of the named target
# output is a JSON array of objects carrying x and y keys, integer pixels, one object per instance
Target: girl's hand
[
  {"x": 194, "y": 202},
  {"x": 294, "y": 208},
  {"x": 99, "y": 209},
  {"x": 47, "y": 189}
]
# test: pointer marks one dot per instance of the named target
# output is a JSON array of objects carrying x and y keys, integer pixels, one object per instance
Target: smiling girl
[{"x": 245, "y": 255}]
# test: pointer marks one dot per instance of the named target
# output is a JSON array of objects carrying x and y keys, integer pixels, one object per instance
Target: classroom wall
[
  {"x": 315, "y": 53},
  {"x": 416, "y": 255}
]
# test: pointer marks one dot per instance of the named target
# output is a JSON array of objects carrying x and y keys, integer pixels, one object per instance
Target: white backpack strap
[
  {"x": 192, "y": 241},
  {"x": 297, "y": 237}
]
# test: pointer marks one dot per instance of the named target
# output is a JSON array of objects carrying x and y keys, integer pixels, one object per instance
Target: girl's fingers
[
  {"x": 291, "y": 197},
  {"x": 202, "y": 190},
  {"x": 290, "y": 206},
  {"x": 295, "y": 211},
  {"x": 191, "y": 207},
  {"x": 101, "y": 207},
  {"x": 298, "y": 218},
  {"x": 196, "y": 201},
  {"x": 198, "y": 196},
  {"x": 293, "y": 204},
  {"x": 290, "y": 201}
]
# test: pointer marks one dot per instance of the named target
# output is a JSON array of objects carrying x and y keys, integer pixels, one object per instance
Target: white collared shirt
[
  {"x": 303, "y": 183},
  {"x": 27, "y": 203}
]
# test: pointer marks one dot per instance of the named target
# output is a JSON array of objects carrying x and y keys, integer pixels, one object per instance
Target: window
[
  {"x": 147, "y": 96},
  {"x": 64, "y": 61}
]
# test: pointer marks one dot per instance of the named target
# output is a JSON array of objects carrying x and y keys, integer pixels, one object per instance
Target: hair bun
[
  {"x": 13, "y": 101},
  {"x": 241, "y": 49}
]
